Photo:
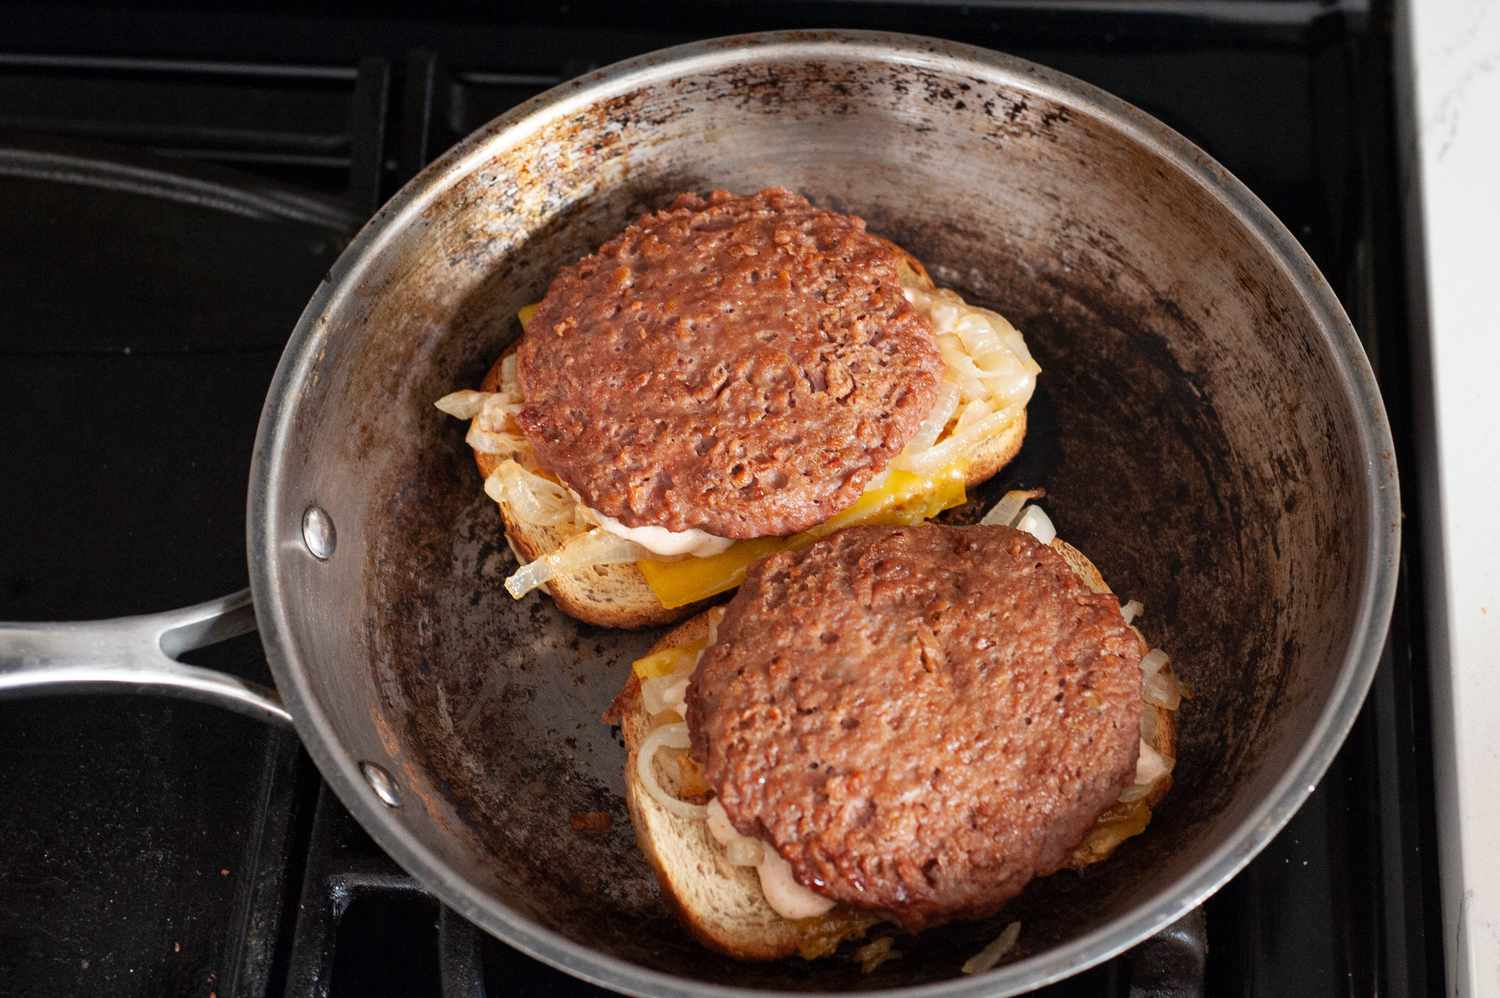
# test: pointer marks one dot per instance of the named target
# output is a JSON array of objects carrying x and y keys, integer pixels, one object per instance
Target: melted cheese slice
[
  {"x": 904, "y": 498},
  {"x": 669, "y": 661}
]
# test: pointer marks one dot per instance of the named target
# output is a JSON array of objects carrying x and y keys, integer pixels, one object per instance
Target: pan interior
[{"x": 1189, "y": 427}]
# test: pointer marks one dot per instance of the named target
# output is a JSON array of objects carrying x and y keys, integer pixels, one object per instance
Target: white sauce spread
[{"x": 660, "y": 540}]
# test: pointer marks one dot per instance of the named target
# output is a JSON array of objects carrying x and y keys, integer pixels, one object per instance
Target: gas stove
[{"x": 180, "y": 182}]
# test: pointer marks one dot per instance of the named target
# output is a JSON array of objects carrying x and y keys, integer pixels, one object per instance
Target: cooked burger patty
[
  {"x": 740, "y": 365},
  {"x": 919, "y": 719}
]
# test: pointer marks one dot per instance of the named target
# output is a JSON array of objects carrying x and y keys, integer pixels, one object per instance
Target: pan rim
[{"x": 1376, "y": 574}]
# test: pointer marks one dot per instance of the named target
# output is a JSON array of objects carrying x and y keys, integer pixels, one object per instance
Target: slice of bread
[
  {"x": 722, "y": 905},
  {"x": 617, "y": 595}
]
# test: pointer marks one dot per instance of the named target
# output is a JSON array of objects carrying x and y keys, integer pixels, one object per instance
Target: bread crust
[{"x": 721, "y": 905}]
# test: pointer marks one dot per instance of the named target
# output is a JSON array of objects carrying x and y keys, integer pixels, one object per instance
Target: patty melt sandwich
[
  {"x": 725, "y": 379},
  {"x": 893, "y": 724}
]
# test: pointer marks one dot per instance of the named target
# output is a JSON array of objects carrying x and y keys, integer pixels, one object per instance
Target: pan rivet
[
  {"x": 380, "y": 781},
  {"x": 318, "y": 533}
]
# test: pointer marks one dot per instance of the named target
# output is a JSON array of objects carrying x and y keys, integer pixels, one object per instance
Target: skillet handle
[{"x": 136, "y": 655}]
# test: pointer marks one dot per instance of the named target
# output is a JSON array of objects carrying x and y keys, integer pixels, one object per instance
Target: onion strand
[
  {"x": 1161, "y": 690},
  {"x": 1004, "y": 512},
  {"x": 987, "y": 365},
  {"x": 667, "y": 736},
  {"x": 590, "y": 548},
  {"x": 986, "y": 958},
  {"x": 1038, "y": 524},
  {"x": 937, "y": 420},
  {"x": 664, "y": 693},
  {"x": 528, "y": 496},
  {"x": 743, "y": 851},
  {"x": 463, "y": 404},
  {"x": 1150, "y": 765},
  {"x": 947, "y": 452}
]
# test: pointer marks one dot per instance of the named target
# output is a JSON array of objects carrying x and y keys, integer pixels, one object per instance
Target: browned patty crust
[
  {"x": 742, "y": 365},
  {"x": 920, "y": 719}
]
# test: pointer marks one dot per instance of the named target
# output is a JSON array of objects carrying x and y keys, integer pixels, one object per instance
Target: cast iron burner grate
[{"x": 1295, "y": 98}]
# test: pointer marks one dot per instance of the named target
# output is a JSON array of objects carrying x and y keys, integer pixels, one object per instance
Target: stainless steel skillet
[{"x": 1208, "y": 430}]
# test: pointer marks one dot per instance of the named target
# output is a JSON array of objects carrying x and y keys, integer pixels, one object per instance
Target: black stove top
[{"x": 179, "y": 182}]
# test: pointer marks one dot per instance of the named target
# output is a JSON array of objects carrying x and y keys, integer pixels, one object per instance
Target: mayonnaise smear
[{"x": 660, "y": 540}]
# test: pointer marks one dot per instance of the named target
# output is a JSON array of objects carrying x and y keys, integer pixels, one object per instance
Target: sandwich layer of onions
[{"x": 989, "y": 378}]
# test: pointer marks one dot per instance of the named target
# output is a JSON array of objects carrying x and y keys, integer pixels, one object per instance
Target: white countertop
[{"x": 1453, "y": 165}]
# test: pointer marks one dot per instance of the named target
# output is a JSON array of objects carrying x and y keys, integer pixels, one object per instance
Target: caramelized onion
[
  {"x": 495, "y": 442},
  {"x": 1161, "y": 689},
  {"x": 667, "y": 736},
  {"x": 1148, "y": 724},
  {"x": 937, "y": 420},
  {"x": 1158, "y": 685},
  {"x": 971, "y": 413},
  {"x": 528, "y": 496},
  {"x": 956, "y": 445},
  {"x": 664, "y": 693},
  {"x": 1153, "y": 662},
  {"x": 986, "y": 958},
  {"x": 719, "y": 825},
  {"x": 463, "y": 404},
  {"x": 742, "y": 851},
  {"x": 987, "y": 365},
  {"x": 1009, "y": 507},
  {"x": 786, "y": 897},
  {"x": 1150, "y": 765},
  {"x": 1038, "y": 524},
  {"x": 590, "y": 548}
]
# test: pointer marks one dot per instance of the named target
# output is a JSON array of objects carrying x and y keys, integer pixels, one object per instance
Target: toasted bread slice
[
  {"x": 617, "y": 595},
  {"x": 722, "y": 905}
]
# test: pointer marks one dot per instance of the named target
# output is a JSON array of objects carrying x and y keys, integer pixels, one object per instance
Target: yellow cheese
[
  {"x": 526, "y": 312},
  {"x": 667, "y": 661},
  {"x": 1121, "y": 822},
  {"x": 903, "y": 498}
]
